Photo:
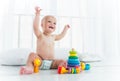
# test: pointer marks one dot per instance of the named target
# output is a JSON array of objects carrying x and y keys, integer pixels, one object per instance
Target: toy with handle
[
  {"x": 62, "y": 70},
  {"x": 37, "y": 63}
]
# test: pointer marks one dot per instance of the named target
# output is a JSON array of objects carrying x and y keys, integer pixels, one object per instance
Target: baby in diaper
[
  {"x": 46, "y": 64},
  {"x": 45, "y": 44}
]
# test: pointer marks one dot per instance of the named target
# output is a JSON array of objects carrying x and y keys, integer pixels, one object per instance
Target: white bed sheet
[{"x": 97, "y": 73}]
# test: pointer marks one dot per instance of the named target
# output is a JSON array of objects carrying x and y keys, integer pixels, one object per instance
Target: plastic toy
[
  {"x": 37, "y": 63},
  {"x": 87, "y": 66},
  {"x": 70, "y": 70},
  {"x": 74, "y": 66},
  {"x": 62, "y": 70},
  {"x": 82, "y": 65}
]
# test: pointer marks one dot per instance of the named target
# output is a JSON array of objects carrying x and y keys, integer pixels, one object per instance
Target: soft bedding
[{"x": 19, "y": 56}]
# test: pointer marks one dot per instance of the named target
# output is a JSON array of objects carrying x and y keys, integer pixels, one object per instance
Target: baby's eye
[
  {"x": 54, "y": 23},
  {"x": 49, "y": 21}
]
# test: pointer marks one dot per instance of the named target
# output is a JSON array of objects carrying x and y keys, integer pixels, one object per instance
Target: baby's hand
[
  {"x": 67, "y": 27},
  {"x": 37, "y": 9}
]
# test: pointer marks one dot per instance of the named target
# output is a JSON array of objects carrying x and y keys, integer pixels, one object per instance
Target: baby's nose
[{"x": 53, "y": 24}]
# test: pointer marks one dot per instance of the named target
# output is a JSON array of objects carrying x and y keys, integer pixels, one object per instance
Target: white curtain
[{"x": 94, "y": 24}]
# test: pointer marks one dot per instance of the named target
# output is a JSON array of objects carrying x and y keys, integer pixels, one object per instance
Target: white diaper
[{"x": 46, "y": 64}]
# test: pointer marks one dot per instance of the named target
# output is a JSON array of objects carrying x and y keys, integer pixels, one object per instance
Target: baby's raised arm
[
  {"x": 63, "y": 33},
  {"x": 36, "y": 22}
]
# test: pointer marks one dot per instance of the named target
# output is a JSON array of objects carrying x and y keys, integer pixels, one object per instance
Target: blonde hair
[{"x": 45, "y": 17}]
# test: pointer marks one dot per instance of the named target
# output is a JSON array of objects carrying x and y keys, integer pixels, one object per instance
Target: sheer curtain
[
  {"x": 3, "y": 9},
  {"x": 94, "y": 24}
]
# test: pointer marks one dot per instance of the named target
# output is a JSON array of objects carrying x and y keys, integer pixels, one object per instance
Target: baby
[{"x": 45, "y": 44}]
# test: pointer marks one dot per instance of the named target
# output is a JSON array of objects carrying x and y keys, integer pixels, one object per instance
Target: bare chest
[{"x": 46, "y": 41}]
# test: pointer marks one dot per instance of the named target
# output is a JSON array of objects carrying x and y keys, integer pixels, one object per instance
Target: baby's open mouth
[{"x": 51, "y": 27}]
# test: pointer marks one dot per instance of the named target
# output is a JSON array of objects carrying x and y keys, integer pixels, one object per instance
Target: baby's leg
[
  {"x": 57, "y": 63},
  {"x": 29, "y": 68}
]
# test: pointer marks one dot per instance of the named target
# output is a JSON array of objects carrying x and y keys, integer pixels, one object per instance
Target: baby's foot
[
  {"x": 63, "y": 64},
  {"x": 26, "y": 70}
]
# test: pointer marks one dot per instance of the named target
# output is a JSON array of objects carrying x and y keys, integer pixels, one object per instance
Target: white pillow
[
  {"x": 19, "y": 56},
  {"x": 86, "y": 57},
  {"x": 16, "y": 56}
]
